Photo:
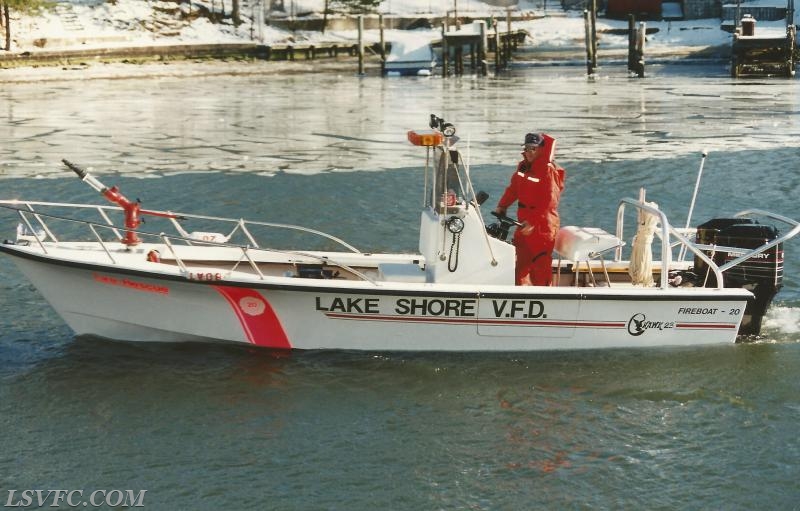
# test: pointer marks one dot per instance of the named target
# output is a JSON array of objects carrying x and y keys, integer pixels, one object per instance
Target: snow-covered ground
[
  {"x": 140, "y": 22},
  {"x": 555, "y": 34}
]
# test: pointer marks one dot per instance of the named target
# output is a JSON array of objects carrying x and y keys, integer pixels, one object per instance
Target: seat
[{"x": 584, "y": 244}]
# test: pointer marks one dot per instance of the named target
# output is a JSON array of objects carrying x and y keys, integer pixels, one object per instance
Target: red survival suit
[{"x": 537, "y": 187}]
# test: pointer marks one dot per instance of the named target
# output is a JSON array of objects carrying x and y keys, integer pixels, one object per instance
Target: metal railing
[
  {"x": 34, "y": 220},
  {"x": 766, "y": 246},
  {"x": 666, "y": 229}
]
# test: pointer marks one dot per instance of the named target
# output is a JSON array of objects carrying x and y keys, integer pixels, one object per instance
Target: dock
[
  {"x": 233, "y": 51},
  {"x": 480, "y": 44},
  {"x": 764, "y": 54},
  {"x": 344, "y": 51}
]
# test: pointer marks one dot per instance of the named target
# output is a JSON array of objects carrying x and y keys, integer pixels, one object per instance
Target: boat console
[{"x": 453, "y": 237}]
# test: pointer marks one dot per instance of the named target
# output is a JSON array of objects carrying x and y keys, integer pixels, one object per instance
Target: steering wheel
[
  {"x": 506, "y": 219},
  {"x": 500, "y": 229}
]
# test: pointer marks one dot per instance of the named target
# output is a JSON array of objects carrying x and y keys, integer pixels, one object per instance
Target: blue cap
[{"x": 534, "y": 139}]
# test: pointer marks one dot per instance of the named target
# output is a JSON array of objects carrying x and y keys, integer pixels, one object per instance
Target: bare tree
[
  {"x": 21, "y": 6},
  {"x": 354, "y": 6},
  {"x": 6, "y": 26},
  {"x": 237, "y": 19}
]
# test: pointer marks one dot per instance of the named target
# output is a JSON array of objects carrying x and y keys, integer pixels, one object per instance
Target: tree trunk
[
  {"x": 237, "y": 20},
  {"x": 325, "y": 17},
  {"x": 8, "y": 26}
]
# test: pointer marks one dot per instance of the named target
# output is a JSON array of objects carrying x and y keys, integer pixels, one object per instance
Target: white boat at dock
[
  {"x": 190, "y": 277},
  {"x": 410, "y": 57}
]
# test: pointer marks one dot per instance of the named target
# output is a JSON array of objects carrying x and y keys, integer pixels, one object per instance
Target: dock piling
[
  {"x": 496, "y": 48},
  {"x": 590, "y": 60},
  {"x": 636, "y": 39},
  {"x": 382, "y": 45},
  {"x": 507, "y": 46},
  {"x": 445, "y": 52},
  {"x": 360, "y": 44},
  {"x": 482, "y": 51},
  {"x": 593, "y": 13},
  {"x": 640, "y": 38}
]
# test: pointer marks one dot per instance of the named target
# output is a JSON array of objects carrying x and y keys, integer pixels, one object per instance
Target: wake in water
[{"x": 782, "y": 323}]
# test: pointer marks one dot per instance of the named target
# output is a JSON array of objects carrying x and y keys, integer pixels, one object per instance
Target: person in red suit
[{"x": 536, "y": 186}]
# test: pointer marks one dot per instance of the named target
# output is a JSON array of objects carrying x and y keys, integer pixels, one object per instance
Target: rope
[{"x": 641, "y": 267}]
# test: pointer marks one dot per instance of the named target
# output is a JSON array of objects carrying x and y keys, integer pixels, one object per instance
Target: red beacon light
[{"x": 425, "y": 138}]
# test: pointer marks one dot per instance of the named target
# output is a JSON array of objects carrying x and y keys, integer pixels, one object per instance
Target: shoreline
[
  {"x": 154, "y": 61},
  {"x": 161, "y": 61}
]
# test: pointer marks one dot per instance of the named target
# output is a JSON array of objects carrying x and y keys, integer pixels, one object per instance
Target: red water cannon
[{"x": 131, "y": 209}]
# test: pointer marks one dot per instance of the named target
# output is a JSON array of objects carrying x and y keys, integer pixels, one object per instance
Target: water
[{"x": 211, "y": 427}]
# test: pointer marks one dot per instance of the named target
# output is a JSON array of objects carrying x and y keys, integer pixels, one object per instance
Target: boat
[
  {"x": 410, "y": 57},
  {"x": 191, "y": 277}
]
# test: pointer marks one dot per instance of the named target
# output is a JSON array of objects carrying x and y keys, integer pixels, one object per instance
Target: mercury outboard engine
[{"x": 761, "y": 274}]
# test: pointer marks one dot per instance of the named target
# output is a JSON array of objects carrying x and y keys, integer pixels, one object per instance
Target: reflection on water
[
  {"x": 327, "y": 122},
  {"x": 497, "y": 431}
]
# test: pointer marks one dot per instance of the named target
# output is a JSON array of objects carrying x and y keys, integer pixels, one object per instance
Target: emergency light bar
[{"x": 425, "y": 138}]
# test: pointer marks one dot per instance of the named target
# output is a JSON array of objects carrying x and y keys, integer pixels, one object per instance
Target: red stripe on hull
[
  {"x": 259, "y": 321},
  {"x": 511, "y": 322},
  {"x": 705, "y": 326},
  {"x": 475, "y": 321}
]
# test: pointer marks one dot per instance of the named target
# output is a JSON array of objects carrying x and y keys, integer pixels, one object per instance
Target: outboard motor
[{"x": 762, "y": 274}]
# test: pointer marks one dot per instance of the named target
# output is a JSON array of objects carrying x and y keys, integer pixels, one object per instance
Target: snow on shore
[{"x": 138, "y": 23}]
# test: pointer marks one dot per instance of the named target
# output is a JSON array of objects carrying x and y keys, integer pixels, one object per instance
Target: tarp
[{"x": 410, "y": 51}]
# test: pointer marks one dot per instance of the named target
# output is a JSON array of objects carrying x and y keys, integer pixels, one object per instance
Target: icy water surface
[
  {"x": 209, "y": 427},
  {"x": 329, "y": 122}
]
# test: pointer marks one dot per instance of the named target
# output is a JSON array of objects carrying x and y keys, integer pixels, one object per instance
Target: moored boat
[
  {"x": 410, "y": 57},
  {"x": 190, "y": 277}
]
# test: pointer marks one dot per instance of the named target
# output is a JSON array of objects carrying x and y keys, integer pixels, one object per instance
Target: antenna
[{"x": 694, "y": 199}]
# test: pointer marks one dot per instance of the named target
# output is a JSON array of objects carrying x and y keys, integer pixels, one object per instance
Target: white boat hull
[
  {"x": 314, "y": 314},
  {"x": 107, "y": 277}
]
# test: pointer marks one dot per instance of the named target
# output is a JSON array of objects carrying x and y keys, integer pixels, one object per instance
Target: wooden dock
[
  {"x": 764, "y": 55},
  {"x": 480, "y": 47},
  {"x": 232, "y": 51}
]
